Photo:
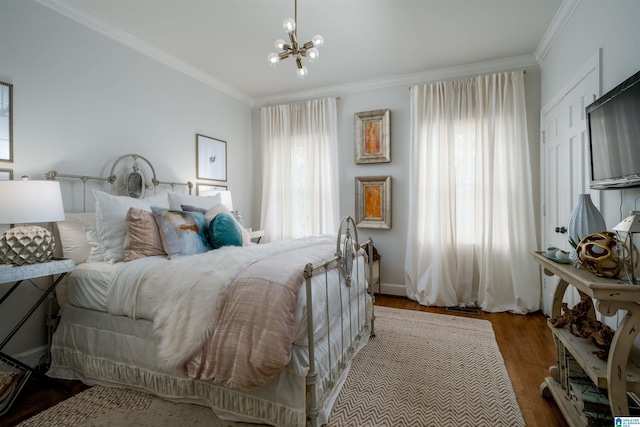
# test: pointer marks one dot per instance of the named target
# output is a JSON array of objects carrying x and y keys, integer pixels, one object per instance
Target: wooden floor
[{"x": 525, "y": 343}]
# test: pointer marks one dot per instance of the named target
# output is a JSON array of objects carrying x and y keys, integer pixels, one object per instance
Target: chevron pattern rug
[
  {"x": 421, "y": 369},
  {"x": 425, "y": 369}
]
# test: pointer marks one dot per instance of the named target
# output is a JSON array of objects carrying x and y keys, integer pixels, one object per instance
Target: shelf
[
  {"x": 8, "y": 366},
  {"x": 582, "y": 350},
  {"x": 561, "y": 397}
]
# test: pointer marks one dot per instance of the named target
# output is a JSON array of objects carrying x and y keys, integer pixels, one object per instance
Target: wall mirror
[{"x": 6, "y": 122}]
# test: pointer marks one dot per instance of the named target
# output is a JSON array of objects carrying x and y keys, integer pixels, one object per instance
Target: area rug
[{"x": 421, "y": 369}]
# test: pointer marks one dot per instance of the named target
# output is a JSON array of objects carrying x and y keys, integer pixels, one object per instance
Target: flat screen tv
[{"x": 613, "y": 125}]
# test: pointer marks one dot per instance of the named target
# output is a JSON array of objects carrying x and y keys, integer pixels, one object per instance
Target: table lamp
[
  {"x": 28, "y": 202},
  {"x": 629, "y": 226}
]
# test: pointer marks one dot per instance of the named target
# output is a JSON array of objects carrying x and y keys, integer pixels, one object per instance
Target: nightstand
[
  {"x": 256, "y": 235},
  {"x": 18, "y": 274}
]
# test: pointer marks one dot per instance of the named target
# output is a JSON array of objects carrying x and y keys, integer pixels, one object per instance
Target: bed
[{"x": 260, "y": 333}]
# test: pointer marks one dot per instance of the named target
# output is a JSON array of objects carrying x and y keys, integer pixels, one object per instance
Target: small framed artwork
[
  {"x": 6, "y": 122},
  {"x": 202, "y": 189},
  {"x": 373, "y": 202},
  {"x": 211, "y": 158},
  {"x": 372, "y": 137},
  {"x": 6, "y": 174}
]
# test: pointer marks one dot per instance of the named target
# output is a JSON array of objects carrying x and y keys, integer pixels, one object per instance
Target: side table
[
  {"x": 620, "y": 373},
  {"x": 18, "y": 274}
]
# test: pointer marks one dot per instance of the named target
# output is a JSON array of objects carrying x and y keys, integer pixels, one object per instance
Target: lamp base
[{"x": 26, "y": 245}]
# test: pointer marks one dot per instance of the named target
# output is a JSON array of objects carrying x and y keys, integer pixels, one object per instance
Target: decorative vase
[{"x": 584, "y": 220}]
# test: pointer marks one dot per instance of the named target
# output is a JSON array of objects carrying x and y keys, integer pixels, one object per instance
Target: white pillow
[
  {"x": 176, "y": 200},
  {"x": 79, "y": 238},
  {"x": 111, "y": 212},
  {"x": 161, "y": 200}
]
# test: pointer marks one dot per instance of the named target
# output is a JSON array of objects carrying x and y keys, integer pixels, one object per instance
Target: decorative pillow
[
  {"x": 220, "y": 208},
  {"x": 182, "y": 233},
  {"x": 79, "y": 239},
  {"x": 176, "y": 200},
  {"x": 189, "y": 208},
  {"x": 224, "y": 230},
  {"x": 111, "y": 212},
  {"x": 143, "y": 237}
]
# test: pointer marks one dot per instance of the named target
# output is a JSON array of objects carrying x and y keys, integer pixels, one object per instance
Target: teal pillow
[
  {"x": 224, "y": 231},
  {"x": 182, "y": 233}
]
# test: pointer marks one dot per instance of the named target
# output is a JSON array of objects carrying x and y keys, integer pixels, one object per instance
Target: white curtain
[
  {"x": 299, "y": 169},
  {"x": 471, "y": 217}
]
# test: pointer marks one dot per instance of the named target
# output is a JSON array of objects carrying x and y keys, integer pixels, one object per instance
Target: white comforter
[{"x": 185, "y": 292}]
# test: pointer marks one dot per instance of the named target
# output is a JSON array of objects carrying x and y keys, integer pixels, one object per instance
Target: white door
[{"x": 565, "y": 168}]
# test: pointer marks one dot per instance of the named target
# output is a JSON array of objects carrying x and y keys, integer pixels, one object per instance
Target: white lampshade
[
  {"x": 630, "y": 224},
  {"x": 226, "y": 200},
  {"x": 225, "y": 197},
  {"x": 28, "y": 202}
]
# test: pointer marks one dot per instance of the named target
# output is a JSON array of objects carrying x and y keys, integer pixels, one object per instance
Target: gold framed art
[
  {"x": 372, "y": 137},
  {"x": 6, "y": 122},
  {"x": 373, "y": 202},
  {"x": 211, "y": 158}
]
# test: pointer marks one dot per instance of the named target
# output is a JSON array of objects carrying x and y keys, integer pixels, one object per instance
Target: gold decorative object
[{"x": 597, "y": 253}]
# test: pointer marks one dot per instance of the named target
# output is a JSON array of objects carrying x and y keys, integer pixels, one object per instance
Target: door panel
[{"x": 566, "y": 170}]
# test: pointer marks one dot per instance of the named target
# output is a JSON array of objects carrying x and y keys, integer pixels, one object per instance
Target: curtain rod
[
  {"x": 523, "y": 72},
  {"x": 337, "y": 98}
]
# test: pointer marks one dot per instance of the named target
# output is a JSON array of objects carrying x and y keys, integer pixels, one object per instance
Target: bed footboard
[{"x": 348, "y": 254}]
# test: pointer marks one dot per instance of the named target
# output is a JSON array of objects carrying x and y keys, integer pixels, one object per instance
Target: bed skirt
[{"x": 99, "y": 349}]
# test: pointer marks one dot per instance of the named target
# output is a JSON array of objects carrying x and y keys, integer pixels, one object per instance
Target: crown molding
[
  {"x": 558, "y": 23},
  {"x": 449, "y": 73},
  {"x": 457, "y": 72},
  {"x": 145, "y": 48}
]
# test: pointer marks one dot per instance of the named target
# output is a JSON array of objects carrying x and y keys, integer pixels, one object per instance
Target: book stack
[
  {"x": 8, "y": 386},
  {"x": 592, "y": 402}
]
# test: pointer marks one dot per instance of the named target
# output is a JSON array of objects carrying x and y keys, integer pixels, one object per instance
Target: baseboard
[{"x": 393, "y": 289}]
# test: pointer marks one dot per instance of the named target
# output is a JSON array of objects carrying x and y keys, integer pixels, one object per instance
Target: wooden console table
[{"x": 621, "y": 372}]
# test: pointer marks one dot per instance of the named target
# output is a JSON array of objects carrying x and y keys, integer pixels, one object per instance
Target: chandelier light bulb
[
  {"x": 273, "y": 59},
  {"x": 280, "y": 44},
  {"x": 317, "y": 40},
  {"x": 302, "y": 72},
  {"x": 312, "y": 54},
  {"x": 289, "y": 25}
]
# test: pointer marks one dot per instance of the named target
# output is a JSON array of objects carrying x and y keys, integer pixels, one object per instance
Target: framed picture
[
  {"x": 6, "y": 174},
  {"x": 373, "y": 202},
  {"x": 6, "y": 122},
  {"x": 372, "y": 137},
  {"x": 211, "y": 158},
  {"x": 202, "y": 189}
]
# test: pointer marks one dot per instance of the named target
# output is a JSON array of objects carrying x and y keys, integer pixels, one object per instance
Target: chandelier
[{"x": 308, "y": 50}]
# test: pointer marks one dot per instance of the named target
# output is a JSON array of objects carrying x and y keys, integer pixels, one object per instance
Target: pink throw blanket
[{"x": 256, "y": 325}]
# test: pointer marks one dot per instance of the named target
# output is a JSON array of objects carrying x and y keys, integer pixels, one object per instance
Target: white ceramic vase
[{"x": 585, "y": 219}]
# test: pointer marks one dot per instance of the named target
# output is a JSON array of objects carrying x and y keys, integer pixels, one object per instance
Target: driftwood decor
[{"x": 587, "y": 327}]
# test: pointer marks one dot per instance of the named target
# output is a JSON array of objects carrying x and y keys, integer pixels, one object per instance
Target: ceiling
[{"x": 226, "y": 42}]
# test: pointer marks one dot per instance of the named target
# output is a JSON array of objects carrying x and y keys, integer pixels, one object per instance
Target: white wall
[
  {"x": 611, "y": 27},
  {"x": 392, "y": 243},
  {"x": 81, "y": 100}
]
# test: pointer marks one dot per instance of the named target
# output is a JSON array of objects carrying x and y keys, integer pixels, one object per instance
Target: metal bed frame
[{"x": 348, "y": 249}]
